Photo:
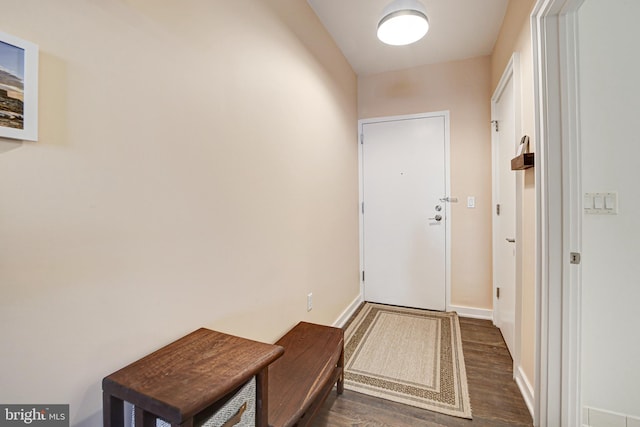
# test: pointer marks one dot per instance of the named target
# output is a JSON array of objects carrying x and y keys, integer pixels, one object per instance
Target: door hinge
[
  {"x": 495, "y": 123},
  {"x": 362, "y": 207},
  {"x": 498, "y": 209},
  {"x": 574, "y": 257},
  {"x": 363, "y": 275},
  {"x": 498, "y": 293},
  {"x": 362, "y": 138}
]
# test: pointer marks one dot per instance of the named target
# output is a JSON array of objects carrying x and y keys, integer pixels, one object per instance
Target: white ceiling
[{"x": 459, "y": 29}]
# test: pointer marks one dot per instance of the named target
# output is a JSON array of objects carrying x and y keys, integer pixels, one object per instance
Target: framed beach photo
[{"x": 18, "y": 88}]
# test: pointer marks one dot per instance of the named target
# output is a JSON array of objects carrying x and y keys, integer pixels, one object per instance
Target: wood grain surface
[{"x": 183, "y": 378}]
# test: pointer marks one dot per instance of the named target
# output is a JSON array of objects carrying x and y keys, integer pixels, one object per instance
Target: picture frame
[{"x": 18, "y": 88}]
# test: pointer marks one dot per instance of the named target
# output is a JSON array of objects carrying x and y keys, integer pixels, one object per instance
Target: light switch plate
[
  {"x": 601, "y": 203},
  {"x": 471, "y": 202}
]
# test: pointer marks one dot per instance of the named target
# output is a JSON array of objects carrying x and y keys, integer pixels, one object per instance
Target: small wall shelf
[{"x": 523, "y": 161}]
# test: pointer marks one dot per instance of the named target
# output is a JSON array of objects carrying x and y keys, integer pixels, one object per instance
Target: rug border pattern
[{"x": 452, "y": 398}]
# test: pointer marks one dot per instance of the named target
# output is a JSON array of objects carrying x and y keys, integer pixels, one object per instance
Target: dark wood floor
[{"x": 495, "y": 398}]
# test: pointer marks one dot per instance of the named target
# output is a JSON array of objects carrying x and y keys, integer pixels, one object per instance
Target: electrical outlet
[{"x": 310, "y": 301}]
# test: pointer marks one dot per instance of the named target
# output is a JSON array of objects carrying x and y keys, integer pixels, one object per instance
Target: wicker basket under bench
[{"x": 212, "y": 379}]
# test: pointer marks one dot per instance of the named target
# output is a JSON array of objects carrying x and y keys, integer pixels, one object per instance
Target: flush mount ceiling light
[{"x": 403, "y": 22}]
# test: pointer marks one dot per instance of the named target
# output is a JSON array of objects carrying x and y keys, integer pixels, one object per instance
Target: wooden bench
[
  {"x": 183, "y": 381},
  {"x": 187, "y": 381},
  {"x": 300, "y": 380}
]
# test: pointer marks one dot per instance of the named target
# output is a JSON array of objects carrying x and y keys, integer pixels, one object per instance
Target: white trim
[
  {"x": 360, "y": 201},
  {"x": 526, "y": 389},
  {"x": 511, "y": 73},
  {"x": 572, "y": 222},
  {"x": 447, "y": 160},
  {"x": 348, "y": 312},
  {"x": 471, "y": 312},
  {"x": 558, "y": 214},
  {"x": 612, "y": 418}
]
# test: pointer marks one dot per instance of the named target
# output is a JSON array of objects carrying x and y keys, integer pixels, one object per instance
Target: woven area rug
[{"x": 409, "y": 356}]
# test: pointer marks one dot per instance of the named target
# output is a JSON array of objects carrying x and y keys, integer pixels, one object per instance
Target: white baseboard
[
  {"x": 594, "y": 417},
  {"x": 525, "y": 389},
  {"x": 474, "y": 313},
  {"x": 348, "y": 312}
]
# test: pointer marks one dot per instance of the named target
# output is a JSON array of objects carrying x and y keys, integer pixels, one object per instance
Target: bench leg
[
  {"x": 340, "y": 384},
  {"x": 112, "y": 411}
]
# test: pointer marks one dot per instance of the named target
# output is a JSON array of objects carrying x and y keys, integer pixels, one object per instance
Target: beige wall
[
  {"x": 515, "y": 36},
  {"x": 197, "y": 166},
  {"x": 463, "y": 88}
]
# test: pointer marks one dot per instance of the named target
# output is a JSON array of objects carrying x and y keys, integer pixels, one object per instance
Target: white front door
[
  {"x": 404, "y": 177},
  {"x": 504, "y": 250}
]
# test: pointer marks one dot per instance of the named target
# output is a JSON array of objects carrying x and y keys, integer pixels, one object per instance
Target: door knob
[{"x": 437, "y": 218}]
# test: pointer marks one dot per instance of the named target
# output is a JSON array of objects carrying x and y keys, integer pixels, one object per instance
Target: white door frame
[
  {"x": 558, "y": 211},
  {"x": 512, "y": 71},
  {"x": 447, "y": 184}
]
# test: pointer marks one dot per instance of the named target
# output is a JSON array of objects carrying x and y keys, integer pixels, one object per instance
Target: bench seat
[{"x": 300, "y": 380}]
